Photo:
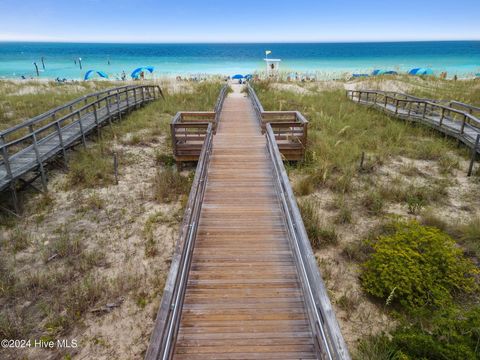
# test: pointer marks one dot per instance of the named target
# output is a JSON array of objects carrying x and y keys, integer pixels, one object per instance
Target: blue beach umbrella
[
  {"x": 249, "y": 76},
  {"x": 238, "y": 76},
  {"x": 136, "y": 73},
  {"x": 91, "y": 73},
  {"x": 383, "y": 72},
  {"x": 360, "y": 75},
  {"x": 421, "y": 71}
]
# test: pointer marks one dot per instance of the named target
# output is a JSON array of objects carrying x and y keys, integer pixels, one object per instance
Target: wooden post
[
  {"x": 36, "y": 68},
  {"x": 441, "y": 117},
  {"x": 463, "y": 124},
  {"x": 424, "y": 111},
  {"x": 135, "y": 97},
  {"x": 118, "y": 106},
  {"x": 80, "y": 62},
  {"x": 108, "y": 111},
  {"x": 81, "y": 130},
  {"x": 474, "y": 155},
  {"x": 13, "y": 190},
  {"x": 95, "y": 115},
  {"x": 43, "y": 63},
  {"x": 6, "y": 160},
  {"x": 362, "y": 159},
  {"x": 115, "y": 167},
  {"x": 40, "y": 163},
  {"x": 60, "y": 137}
]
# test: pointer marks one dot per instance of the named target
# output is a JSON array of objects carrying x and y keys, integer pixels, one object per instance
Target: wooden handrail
[
  {"x": 36, "y": 137},
  {"x": 324, "y": 325},
  {"x": 432, "y": 103},
  {"x": 441, "y": 115},
  {"x": 162, "y": 340},
  {"x": 70, "y": 104}
]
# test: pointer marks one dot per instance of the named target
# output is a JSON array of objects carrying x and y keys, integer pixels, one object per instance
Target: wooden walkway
[
  {"x": 242, "y": 285},
  {"x": 453, "y": 118},
  {"x": 26, "y": 148},
  {"x": 243, "y": 298}
]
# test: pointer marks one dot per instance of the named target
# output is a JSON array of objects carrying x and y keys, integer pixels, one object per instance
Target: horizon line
[{"x": 234, "y": 42}]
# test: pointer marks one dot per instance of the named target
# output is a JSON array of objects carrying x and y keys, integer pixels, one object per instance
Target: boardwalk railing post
[
  {"x": 6, "y": 160},
  {"x": 118, "y": 105},
  {"x": 474, "y": 155},
  {"x": 40, "y": 163},
  {"x": 109, "y": 115},
  {"x": 95, "y": 115},
  {"x": 60, "y": 138},
  {"x": 84, "y": 141},
  {"x": 128, "y": 101},
  {"x": 442, "y": 116},
  {"x": 463, "y": 123},
  {"x": 135, "y": 97}
]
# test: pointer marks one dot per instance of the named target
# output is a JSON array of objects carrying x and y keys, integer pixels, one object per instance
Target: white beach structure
[{"x": 273, "y": 66}]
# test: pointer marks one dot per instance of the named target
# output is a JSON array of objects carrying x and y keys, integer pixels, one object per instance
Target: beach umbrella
[
  {"x": 238, "y": 76},
  {"x": 136, "y": 73},
  {"x": 360, "y": 75},
  {"x": 91, "y": 73},
  {"x": 249, "y": 76},
  {"x": 421, "y": 71},
  {"x": 383, "y": 72}
]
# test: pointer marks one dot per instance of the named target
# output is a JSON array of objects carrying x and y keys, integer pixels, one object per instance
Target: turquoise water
[{"x": 325, "y": 59}]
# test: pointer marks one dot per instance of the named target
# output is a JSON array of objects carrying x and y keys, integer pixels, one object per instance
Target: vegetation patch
[
  {"x": 418, "y": 266},
  {"x": 169, "y": 185},
  {"x": 318, "y": 232}
]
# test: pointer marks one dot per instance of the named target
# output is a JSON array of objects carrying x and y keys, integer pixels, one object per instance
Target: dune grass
[
  {"x": 339, "y": 131},
  {"x": 24, "y": 100}
]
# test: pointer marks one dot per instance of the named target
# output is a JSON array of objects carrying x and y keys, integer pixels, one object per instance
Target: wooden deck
[
  {"x": 243, "y": 298},
  {"x": 189, "y": 129},
  {"x": 244, "y": 283}
]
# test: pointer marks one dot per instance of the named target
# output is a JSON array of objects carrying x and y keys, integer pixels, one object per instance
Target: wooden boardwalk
[
  {"x": 459, "y": 120},
  {"x": 26, "y": 148},
  {"x": 243, "y": 298},
  {"x": 244, "y": 283}
]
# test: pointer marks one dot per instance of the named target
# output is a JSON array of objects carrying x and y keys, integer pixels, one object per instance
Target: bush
[
  {"x": 448, "y": 334},
  {"x": 417, "y": 266}
]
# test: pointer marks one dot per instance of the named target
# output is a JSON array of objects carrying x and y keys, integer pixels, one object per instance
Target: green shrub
[
  {"x": 421, "y": 263},
  {"x": 451, "y": 334}
]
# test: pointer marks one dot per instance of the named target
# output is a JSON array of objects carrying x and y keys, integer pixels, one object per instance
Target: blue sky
[{"x": 238, "y": 21}]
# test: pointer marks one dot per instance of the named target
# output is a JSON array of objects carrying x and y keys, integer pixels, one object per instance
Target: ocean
[{"x": 326, "y": 60}]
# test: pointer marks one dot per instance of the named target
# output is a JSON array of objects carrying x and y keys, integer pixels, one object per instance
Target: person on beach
[{"x": 124, "y": 76}]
